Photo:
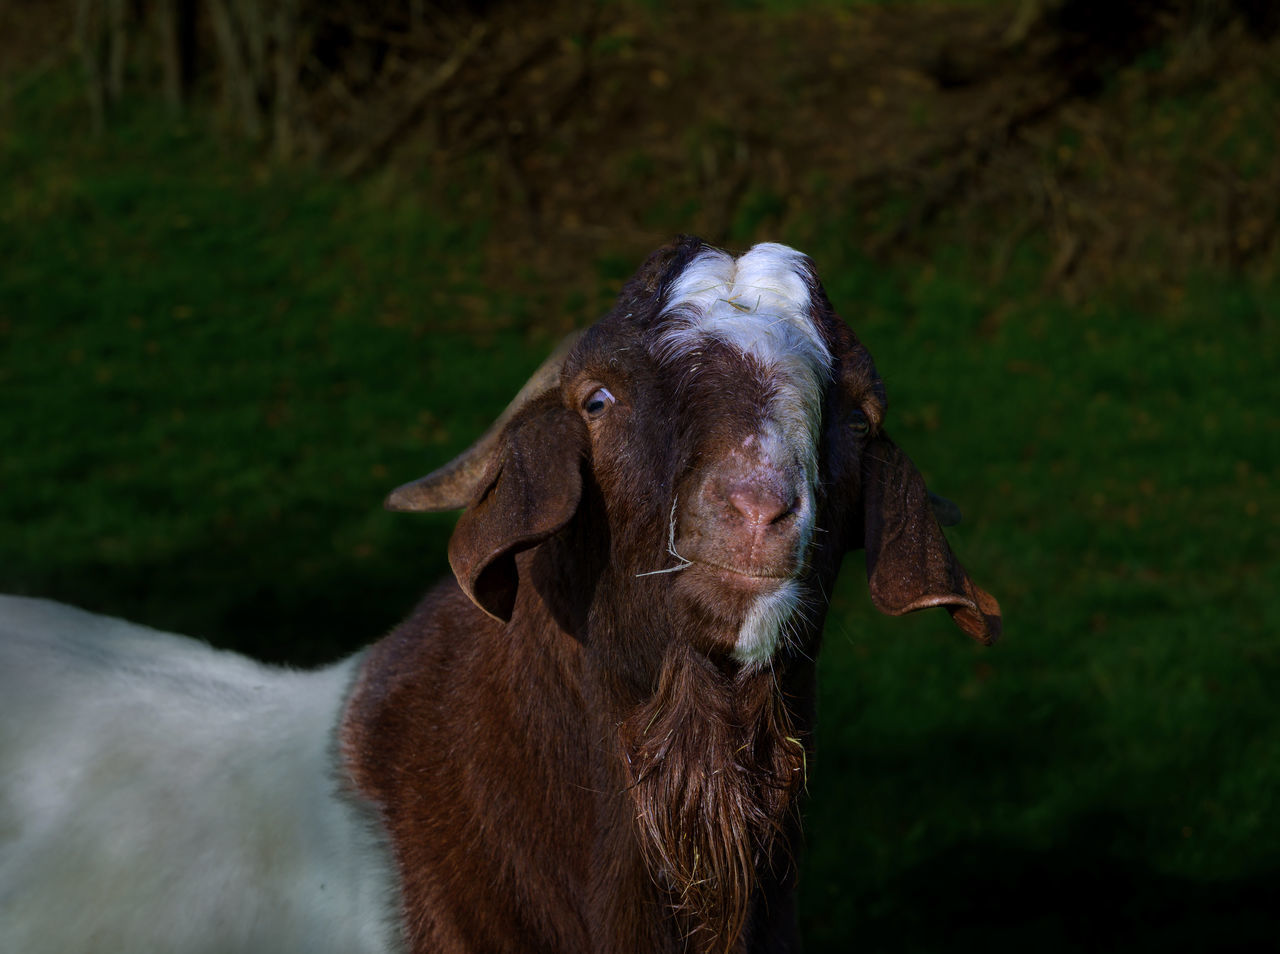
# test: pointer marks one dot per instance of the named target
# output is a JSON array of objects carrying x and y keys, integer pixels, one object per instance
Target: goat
[{"x": 592, "y": 738}]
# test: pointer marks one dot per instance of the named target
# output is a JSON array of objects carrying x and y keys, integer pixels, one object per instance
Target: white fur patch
[
  {"x": 759, "y": 302},
  {"x": 159, "y": 795},
  {"x": 765, "y": 624}
]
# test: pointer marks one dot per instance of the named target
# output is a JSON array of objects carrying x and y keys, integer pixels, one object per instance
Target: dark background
[{"x": 262, "y": 261}]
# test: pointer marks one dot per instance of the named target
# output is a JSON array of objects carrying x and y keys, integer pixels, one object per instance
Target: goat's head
[{"x": 700, "y": 460}]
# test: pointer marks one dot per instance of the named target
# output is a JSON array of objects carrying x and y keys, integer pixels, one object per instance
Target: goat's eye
[
  {"x": 599, "y": 402},
  {"x": 859, "y": 423}
]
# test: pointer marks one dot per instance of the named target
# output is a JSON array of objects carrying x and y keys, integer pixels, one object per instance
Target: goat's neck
[{"x": 707, "y": 758}]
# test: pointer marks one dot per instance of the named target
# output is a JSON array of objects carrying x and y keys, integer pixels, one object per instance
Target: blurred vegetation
[{"x": 217, "y": 355}]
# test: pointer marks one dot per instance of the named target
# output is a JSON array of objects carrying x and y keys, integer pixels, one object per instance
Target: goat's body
[
  {"x": 593, "y": 739},
  {"x": 163, "y": 795},
  {"x": 160, "y": 795}
]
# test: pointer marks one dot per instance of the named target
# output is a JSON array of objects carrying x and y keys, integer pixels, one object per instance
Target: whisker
[{"x": 671, "y": 547}]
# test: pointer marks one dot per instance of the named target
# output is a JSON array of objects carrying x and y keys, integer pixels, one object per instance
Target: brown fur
[
  {"x": 716, "y": 763},
  {"x": 564, "y": 751}
]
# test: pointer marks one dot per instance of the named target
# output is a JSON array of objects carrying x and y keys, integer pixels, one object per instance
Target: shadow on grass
[
  {"x": 1076, "y": 895},
  {"x": 1034, "y": 816}
]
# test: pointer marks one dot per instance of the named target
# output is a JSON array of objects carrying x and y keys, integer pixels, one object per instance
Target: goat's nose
[{"x": 760, "y": 504}]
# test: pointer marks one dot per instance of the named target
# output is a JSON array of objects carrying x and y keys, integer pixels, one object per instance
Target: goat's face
[
  {"x": 704, "y": 402},
  {"x": 699, "y": 462}
]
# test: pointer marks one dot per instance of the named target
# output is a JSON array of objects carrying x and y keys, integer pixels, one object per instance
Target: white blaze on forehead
[{"x": 760, "y": 303}]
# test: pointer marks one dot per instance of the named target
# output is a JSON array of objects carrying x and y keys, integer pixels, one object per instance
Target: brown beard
[{"x": 714, "y": 766}]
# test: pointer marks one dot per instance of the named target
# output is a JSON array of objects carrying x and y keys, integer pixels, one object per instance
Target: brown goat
[
  {"x": 595, "y": 738},
  {"x": 592, "y": 740}
]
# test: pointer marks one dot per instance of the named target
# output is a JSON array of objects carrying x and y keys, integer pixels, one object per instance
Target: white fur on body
[{"x": 162, "y": 796}]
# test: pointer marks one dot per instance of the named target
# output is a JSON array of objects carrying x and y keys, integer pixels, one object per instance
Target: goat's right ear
[{"x": 530, "y": 493}]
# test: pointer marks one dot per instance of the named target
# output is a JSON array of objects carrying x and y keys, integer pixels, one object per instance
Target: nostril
[{"x": 762, "y": 505}]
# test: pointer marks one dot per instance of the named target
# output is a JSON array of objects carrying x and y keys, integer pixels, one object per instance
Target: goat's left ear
[
  {"x": 910, "y": 566},
  {"x": 531, "y": 492}
]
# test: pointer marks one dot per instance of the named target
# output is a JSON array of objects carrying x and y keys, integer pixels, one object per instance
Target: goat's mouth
[
  {"x": 745, "y": 577},
  {"x": 745, "y": 612}
]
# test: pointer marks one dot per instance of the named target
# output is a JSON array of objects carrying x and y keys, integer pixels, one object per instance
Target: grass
[{"x": 212, "y": 370}]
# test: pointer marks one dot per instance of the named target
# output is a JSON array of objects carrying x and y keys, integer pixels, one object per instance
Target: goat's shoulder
[{"x": 471, "y": 738}]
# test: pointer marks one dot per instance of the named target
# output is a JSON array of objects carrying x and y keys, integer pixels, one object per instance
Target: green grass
[{"x": 212, "y": 370}]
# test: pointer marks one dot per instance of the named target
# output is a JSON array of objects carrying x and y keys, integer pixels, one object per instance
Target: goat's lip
[{"x": 755, "y": 578}]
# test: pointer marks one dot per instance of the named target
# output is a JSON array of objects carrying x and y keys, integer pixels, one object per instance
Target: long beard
[{"x": 715, "y": 767}]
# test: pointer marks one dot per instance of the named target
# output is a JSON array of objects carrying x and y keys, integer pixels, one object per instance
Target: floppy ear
[
  {"x": 519, "y": 482},
  {"x": 530, "y": 493},
  {"x": 909, "y": 564}
]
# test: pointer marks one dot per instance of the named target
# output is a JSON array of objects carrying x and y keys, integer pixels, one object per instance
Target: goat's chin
[{"x": 748, "y": 613}]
